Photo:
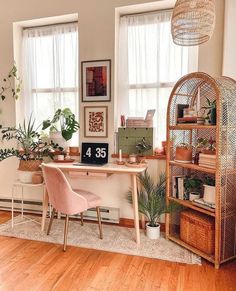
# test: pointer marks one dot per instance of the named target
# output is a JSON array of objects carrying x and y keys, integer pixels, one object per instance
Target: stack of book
[
  {"x": 135, "y": 122},
  {"x": 201, "y": 203},
  {"x": 206, "y": 160},
  {"x": 178, "y": 187}
]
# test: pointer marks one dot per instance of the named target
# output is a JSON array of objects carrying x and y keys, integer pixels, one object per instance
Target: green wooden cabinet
[{"x": 128, "y": 138}]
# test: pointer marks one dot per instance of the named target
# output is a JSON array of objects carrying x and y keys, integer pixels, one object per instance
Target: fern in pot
[{"x": 152, "y": 202}]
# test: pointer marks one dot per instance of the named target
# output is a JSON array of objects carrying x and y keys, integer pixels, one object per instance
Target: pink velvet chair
[{"x": 68, "y": 201}]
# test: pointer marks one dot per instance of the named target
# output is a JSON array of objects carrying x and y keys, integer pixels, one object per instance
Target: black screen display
[{"x": 94, "y": 153}]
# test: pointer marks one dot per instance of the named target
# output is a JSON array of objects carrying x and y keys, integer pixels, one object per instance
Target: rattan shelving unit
[{"x": 186, "y": 91}]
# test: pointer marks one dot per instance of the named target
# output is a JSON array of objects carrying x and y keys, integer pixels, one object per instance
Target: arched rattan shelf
[{"x": 193, "y": 89}]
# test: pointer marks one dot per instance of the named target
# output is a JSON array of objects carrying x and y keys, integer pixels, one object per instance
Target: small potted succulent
[
  {"x": 184, "y": 153},
  {"x": 152, "y": 202},
  {"x": 209, "y": 189}
]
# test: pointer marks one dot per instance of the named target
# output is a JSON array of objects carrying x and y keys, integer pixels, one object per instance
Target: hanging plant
[{"x": 11, "y": 83}]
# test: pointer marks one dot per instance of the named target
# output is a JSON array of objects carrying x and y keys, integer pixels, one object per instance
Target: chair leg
[
  {"x": 82, "y": 218},
  {"x": 66, "y": 232},
  {"x": 51, "y": 220},
  {"x": 99, "y": 222}
]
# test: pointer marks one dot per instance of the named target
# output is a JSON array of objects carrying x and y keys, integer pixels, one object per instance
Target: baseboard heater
[{"x": 108, "y": 214}]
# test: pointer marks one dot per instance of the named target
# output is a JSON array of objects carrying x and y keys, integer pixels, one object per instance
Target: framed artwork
[
  {"x": 95, "y": 121},
  {"x": 96, "y": 81}
]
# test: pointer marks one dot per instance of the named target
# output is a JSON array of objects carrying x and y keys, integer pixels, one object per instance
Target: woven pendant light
[{"x": 193, "y": 21}]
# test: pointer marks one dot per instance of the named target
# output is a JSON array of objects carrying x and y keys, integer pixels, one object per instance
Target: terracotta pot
[
  {"x": 183, "y": 154},
  {"x": 140, "y": 158},
  {"x": 30, "y": 165},
  {"x": 37, "y": 178}
]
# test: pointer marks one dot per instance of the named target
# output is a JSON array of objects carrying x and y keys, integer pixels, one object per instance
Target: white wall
[
  {"x": 97, "y": 41},
  {"x": 229, "y": 57}
]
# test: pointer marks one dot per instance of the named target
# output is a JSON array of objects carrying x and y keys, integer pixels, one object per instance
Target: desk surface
[{"x": 107, "y": 168}]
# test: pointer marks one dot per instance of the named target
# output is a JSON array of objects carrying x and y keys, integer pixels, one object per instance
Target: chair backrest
[{"x": 61, "y": 195}]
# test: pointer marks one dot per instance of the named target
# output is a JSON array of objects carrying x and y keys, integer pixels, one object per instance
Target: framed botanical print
[
  {"x": 96, "y": 81},
  {"x": 95, "y": 121}
]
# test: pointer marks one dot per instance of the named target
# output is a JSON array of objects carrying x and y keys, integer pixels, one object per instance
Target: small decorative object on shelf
[
  {"x": 209, "y": 190},
  {"x": 183, "y": 153},
  {"x": 120, "y": 161},
  {"x": 122, "y": 121},
  {"x": 214, "y": 152},
  {"x": 211, "y": 114},
  {"x": 132, "y": 158}
]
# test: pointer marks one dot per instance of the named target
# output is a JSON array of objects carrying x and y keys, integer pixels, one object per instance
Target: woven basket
[
  {"x": 30, "y": 165},
  {"x": 198, "y": 230},
  {"x": 193, "y": 21}
]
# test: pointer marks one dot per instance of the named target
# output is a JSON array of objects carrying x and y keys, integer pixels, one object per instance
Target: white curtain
[
  {"x": 50, "y": 69},
  {"x": 149, "y": 64}
]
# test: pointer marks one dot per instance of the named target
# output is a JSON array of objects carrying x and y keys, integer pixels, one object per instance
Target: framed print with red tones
[{"x": 96, "y": 81}]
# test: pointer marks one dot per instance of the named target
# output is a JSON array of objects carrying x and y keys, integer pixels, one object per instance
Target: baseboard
[{"x": 127, "y": 222}]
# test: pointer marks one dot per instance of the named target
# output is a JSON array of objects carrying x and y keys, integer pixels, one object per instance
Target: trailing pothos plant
[
  {"x": 11, "y": 84},
  {"x": 152, "y": 198},
  {"x": 64, "y": 121},
  {"x": 29, "y": 144}
]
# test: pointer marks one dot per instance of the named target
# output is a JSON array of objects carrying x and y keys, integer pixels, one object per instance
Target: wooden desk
[{"x": 109, "y": 169}]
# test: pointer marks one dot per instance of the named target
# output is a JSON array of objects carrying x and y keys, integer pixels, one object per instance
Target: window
[
  {"x": 149, "y": 64},
  {"x": 50, "y": 69}
]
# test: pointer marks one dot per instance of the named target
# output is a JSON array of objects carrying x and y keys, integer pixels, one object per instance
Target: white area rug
[{"x": 115, "y": 239}]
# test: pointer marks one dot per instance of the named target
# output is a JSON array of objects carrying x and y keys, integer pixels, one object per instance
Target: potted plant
[
  {"x": 192, "y": 186},
  {"x": 142, "y": 147},
  {"x": 211, "y": 114},
  {"x": 184, "y": 153},
  {"x": 152, "y": 202},
  {"x": 209, "y": 189},
  {"x": 62, "y": 126},
  {"x": 30, "y": 149}
]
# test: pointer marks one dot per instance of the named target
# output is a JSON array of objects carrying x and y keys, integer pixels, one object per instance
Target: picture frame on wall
[
  {"x": 96, "y": 81},
  {"x": 96, "y": 121}
]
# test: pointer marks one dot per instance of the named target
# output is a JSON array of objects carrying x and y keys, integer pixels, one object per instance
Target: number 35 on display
[{"x": 100, "y": 152}]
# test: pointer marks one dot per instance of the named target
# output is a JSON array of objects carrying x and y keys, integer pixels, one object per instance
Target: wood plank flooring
[{"x": 31, "y": 265}]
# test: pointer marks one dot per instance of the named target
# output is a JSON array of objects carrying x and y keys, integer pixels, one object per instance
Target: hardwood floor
[{"x": 31, "y": 265}]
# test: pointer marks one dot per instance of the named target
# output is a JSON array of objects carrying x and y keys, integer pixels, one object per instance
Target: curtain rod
[
  {"x": 48, "y": 25},
  {"x": 147, "y": 12}
]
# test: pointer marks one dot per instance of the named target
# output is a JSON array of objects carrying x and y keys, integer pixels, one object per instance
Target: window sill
[{"x": 153, "y": 157}]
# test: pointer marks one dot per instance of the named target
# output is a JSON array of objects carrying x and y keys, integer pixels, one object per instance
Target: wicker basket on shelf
[
  {"x": 29, "y": 165},
  {"x": 198, "y": 230}
]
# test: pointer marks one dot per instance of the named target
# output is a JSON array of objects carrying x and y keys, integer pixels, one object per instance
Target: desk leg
[
  {"x": 135, "y": 206},
  {"x": 45, "y": 207}
]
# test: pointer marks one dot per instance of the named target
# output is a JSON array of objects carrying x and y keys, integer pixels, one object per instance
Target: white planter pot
[
  {"x": 153, "y": 232},
  {"x": 25, "y": 176},
  {"x": 193, "y": 196},
  {"x": 57, "y": 138},
  {"x": 209, "y": 194}
]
